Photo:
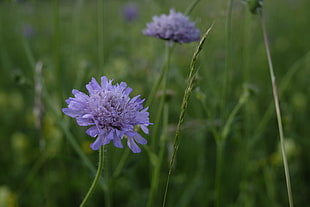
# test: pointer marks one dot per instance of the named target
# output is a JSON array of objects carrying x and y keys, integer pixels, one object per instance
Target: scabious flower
[
  {"x": 111, "y": 113},
  {"x": 130, "y": 12},
  {"x": 28, "y": 31},
  {"x": 175, "y": 27}
]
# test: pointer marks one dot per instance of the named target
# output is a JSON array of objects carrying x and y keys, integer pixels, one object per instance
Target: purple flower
[
  {"x": 110, "y": 112},
  {"x": 175, "y": 27},
  {"x": 130, "y": 12},
  {"x": 28, "y": 31}
]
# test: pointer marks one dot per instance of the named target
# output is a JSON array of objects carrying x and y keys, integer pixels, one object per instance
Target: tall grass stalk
[
  {"x": 220, "y": 144},
  {"x": 162, "y": 111},
  {"x": 191, "y": 7},
  {"x": 158, "y": 164},
  {"x": 228, "y": 63},
  {"x": 100, "y": 25},
  {"x": 286, "y": 80},
  {"x": 121, "y": 163},
  {"x": 187, "y": 93},
  {"x": 99, "y": 170},
  {"x": 57, "y": 39},
  {"x": 277, "y": 107},
  {"x": 162, "y": 73},
  {"x": 218, "y": 176},
  {"x": 162, "y": 79}
]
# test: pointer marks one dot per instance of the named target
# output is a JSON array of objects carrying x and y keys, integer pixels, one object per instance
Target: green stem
[
  {"x": 278, "y": 112},
  {"x": 246, "y": 45},
  {"x": 191, "y": 7},
  {"x": 99, "y": 170},
  {"x": 220, "y": 142},
  {"x": 100, "y": 17},
  {"x": 156, "y": 172},
  {"x": 218, "y": 176},
  {"x": 243, "y": 98},
  {"x": 57, "y": 55},
  {"x": 187, "y": 93},
  {"x": 107, "y": 191},
  {"x": 284, "y": 84},
  {"x": 228, "y": 58},
  {"x": 121, "y": 163},
  {"x": 163, "y": 77},
  {"x": 163, "y": 72},
  {"x": 161, "y": 111}
]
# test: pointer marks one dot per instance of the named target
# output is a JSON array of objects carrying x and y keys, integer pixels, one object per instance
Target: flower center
[{"x": 111, "y": 109}]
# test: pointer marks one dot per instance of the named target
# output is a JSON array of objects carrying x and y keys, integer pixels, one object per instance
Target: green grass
[{"x": 74, "y": 43}]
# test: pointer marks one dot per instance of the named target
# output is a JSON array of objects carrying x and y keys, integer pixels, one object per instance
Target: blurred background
[{"x": 47, "y": 48}]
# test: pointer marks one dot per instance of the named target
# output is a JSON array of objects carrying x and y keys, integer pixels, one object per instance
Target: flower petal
[
  {"x": 93, "y": 86},
  {"x": 138, "y": 138},
  {"x": 144, "y": 129},
  {"x": 117, "y": 142},
  {"x": 132, "y": 145},
  {"x": 96, "y": 144},
  {"x": 92, "y": 131},
  {"x": 101, "y": 140}
]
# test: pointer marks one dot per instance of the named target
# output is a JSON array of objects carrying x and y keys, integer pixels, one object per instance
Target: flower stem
[
  {"x": 228, "y": 58},
  {"x": 163, "y": 72},
  {"x": 219, "y": 161},
  {"x": 163, "y": 77},
  {"x": 157, "y": 167},
  {"x": 187, "y": 93},
  {"x": 243, "y": 98},
  {"x": 100, "y": 25},
  {"x": 162, "y": 111},
  {"x": 99, "y": 170},
  {"x": 278, "y": 112},
  {"x": 220, "y": 142},
  {"x": 191, "y": 7}
]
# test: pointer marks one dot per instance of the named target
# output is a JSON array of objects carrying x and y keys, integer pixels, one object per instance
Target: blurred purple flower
[
  {"x": 28, "y": 31},
  {"x": 130, "y": 12},
  {"x": 110, "y": 112},
  {"x": 175, "y": 27}
]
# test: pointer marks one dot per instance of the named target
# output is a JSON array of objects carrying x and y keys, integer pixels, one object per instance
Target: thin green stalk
[
  {"x": 246, "y": 45},
  {"x": 228, "y": 64},
  {"x": 57, "y": 55},
  {"x": 213, "y": 128},
  {"x": 121, "y": 163},
  {"x": 277, "y": 107},
  {"x": 191, "y": 7},
  {"x": 187, "y": 93},
  {"x": 245, "y": 71},
  {"x": 163, "y": 78},
  {"x": 100, "y": 17},
  {"x": 99, "y": 170},
  {"x": 156, "y": 172},
  {"x": 163, "y": 72},
  {"x": 218, "y": 176},
  {"x": 243, "y": 98},
  {"x": 107, "y": 191},
  {"x": 282, "y": 87},
  {"x": 220, "y": 142},
  {"x": 161, "y": 112}
]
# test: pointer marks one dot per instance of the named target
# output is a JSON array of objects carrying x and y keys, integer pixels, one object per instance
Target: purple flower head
[
  {"x": 28, "y": 31},
  {"x": 111, "y": 114},
  {"x": 130, "y": 12},
  {"x": 175, "y": 27}
]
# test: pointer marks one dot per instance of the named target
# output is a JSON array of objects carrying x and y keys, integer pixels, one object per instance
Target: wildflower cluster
[{"x": 109, "y": 111}]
